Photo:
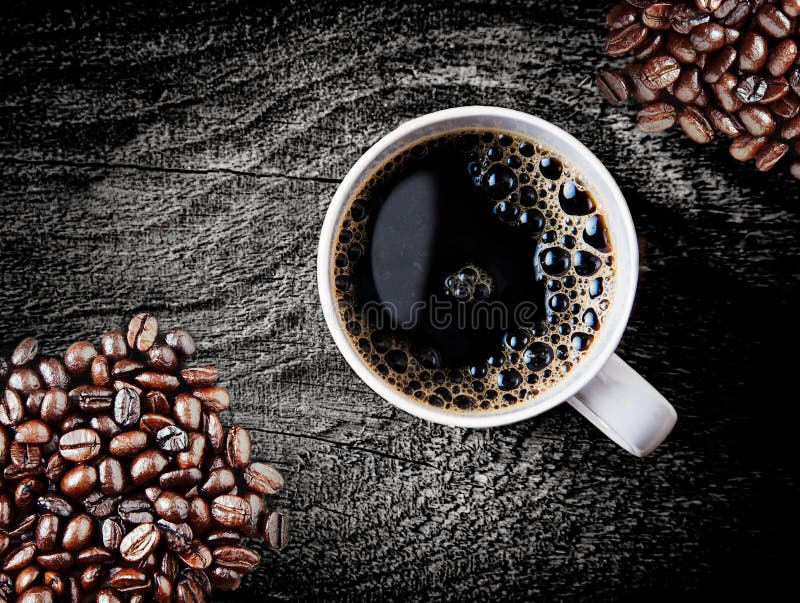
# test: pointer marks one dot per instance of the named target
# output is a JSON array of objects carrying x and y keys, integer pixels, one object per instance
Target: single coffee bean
[
  {"x": 200, "y": 578},
  {"x": 791, "y": 129},
  {"x": 651, "y": 45},
  {"x": 100, "y": 505},
  {"x": 162, "y": 357},
  {"x": 770, "y": 154},
  {"x": 130, "y": 581},
  {"x": 198, "y": 556},
  {"x": 685, "y": 17},
  {"x": 187, "y": 411},
  {"x": 128, "y": 443},
  {"x": 656, "y": 15},
  {"x": 57, "y": 505},
  {"x": 786, "y": 107},
  {"x": 733, "y": 13},
  {"x": 47, "y": 532},
  {"x": 718, "y": 64},
  {"x": 90, "y": 577},
  {"x": 162, "y": 588},
  {"x": 781, "y": 57},
  {"x": 108, "y": 595},
  {"x": 159, "y": 381},
  {"x": 155, "y": 402},
  {"x": 230, "y": 510},
  {"x": 112, "y": 534},
  {"x": 79, "y": 481},
  {"x": 751, "y": 89},
  {"x": 25, "y": 351},
  {"x": 77, "y": 533},
  {"x": 19, "y": 557},
  {"x": 180, "y": 479},
  {"x": 213, "y": 398},
  {"x": 127, "y": 407},
  {"x": 265, "y": 479},
  {"x": 238, "y": 446},
  {"x": 56, "y": 562},
  {"x": 37, "y": 594},
  {"x": 612, "y": 86},
  {"x": 794, "y": 80},
  {"x": 105, "y": 426},
  {"x": 140, "y": 542},
  {"x": 172, "y": 507},
  {"x": 200, "y": 376},
  {"x": 55, "y": 467},
  {"x": 757, "y": 120},
  {"x": 624, "y": 41},
  {"x": 142, "y": 331},
  {"x": 126, "y": 367},
  {"x": 193, "y": 455},
  {"x": 661, "y": 71},
  {"x": 79, "y": 445},
  {"x": 773, "y": 22},
  {"x": 33, "y": 402},
  {"x": 94, "y": 555},
  {"x": 91, "y": 398},
  {"x": 147, "y": 466},
  {"x": 177, "y": 536},
  {"x": 707, "y": 6},
  {"x": 681, "y": 47},
  {"x": 746, "y": 147},
  {"x": 753, "y": 51},
  {"x": 135, "y": 510},
  {"x": 225, "y": 578},
  {"x": 172, "y": 439},
  {"x": 54, "y": 373},
  {"x": 199, "y": 515},
  {"x": 27, "y": 491},
  {"x": 220, "y": 481},
  {"x": 78, "y": 357},
  {"x": 55, "y": 406},
  {"x": 153, "y": 423},
  {"x": 708, "y": 37},
  {"x": 777, "y": 88},
  {"x": 114, "y": 346},
  {"x": 237, "y": 557},
  {"x": 33, "y": 432},
  {"x": 688, "y": 85},
  {"x": 724, "y": 89},
  {"x": 99, "y": 371},
  {"x": 621, "y": 15},
  {"x": 24, "y": 529},
  {"x": 725, "y": 123},
  {"x": 26, "y": 578},
  {"x": 12, "y": 411},
  {"x": 24, "y": 380},
  {"x": 791, "y": 7},
  {"x": 639, "y": 90},
  {"x": 181, "y": 341},
  {"x": 25, "y": 456}
]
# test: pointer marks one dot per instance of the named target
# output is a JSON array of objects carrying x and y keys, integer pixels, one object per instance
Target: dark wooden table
[{"x": 180, "y": 158}]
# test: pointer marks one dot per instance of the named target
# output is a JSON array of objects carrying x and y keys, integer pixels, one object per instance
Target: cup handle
[{"x": 626, "y": 408}]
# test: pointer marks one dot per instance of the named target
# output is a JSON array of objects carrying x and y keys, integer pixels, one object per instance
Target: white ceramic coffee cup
[{"x": 601, "y": 386}]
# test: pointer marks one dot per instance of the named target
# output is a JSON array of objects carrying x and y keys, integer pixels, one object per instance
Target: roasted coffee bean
[
  {"x": 624, "y": 41},
  {"x": 128, "y": 443},
  {"x": 172, "y": 439},
  {"x": 57, "y": 505},
  {"x": 220, "y": 481},
  {"x": 639, "y": 91},
  {"x": 91, "y": 398},
  {"x": 25, "y": 456},
  {"x": 733, "y": 13},
  {"x": 159, "y": 381},
  {"x": 791, "y": 129},
  {"x": 94, "y": 555},
  {"x": 188, "y": 411},
  {"x": 177, "y": 536},
  {"x": 199, "y": 515},
  {"x": 135, "y": 510},
  {"x": 153, "y": 423},
  {"x": 112, "y": 533},
  {"x": 237, "y": 557},
  {"x": 140, "y": 542},
  {"x": 187, "y": 591},
  {"x": 33, "y": 402},
  {"x": 681, "y": 47},
  {"x": 73, "y": 421},
  {"x": 276, "y": 530},
  {"x": 127, "y": 407},
  {"x": 162, "y": 588},
  {"x": 651, "y": 45},
  {"x": 162, "y": 357},
  {"x": 200, "y": 578},
  {"x": 91, "y": 576},
  {"x": 56, "y": 582},
  {"x": 147, "y": 466},
  {"x": 26, "y": 577},
  {"x": 104, "y": 425},
  {"x": 264, "y": 478},
  {"x": 791, "y": 7},
  {"x": 708, "y": 37},
  {"x": 129, "y": 581},
  {"x": 108, "y": 595},
  {"x": 54, "y": 373},
  {"x": 155, "y": 402},
  {"x": 725, "y": 123},
  {"x": 114, "y": 346},
  {"x": 37, "y": 594},
  {"x": 612, "y": 86},
  {"x": 684, "y": 17},
  {"x": 24, "y": 529},
  {"x": 751, "y": 89},
  {"x": 55, "y": 467},
  {"x": 770, "y": 154},
  {"x": 78, "y": 357},
  {"x": 55, "y": 406},
  {"x": 126, "y": 367},
  {"x": 79, "y": 481},
  {"x": 237, "y": 447},
  {"x": 656, "y": 15},
  {"x": 214, "y": 431},
  {"x": 12, "y": 410},
  {"x": 230, "y": 510},
  {"x": 77, "y": 533},
  {"x": 214, "y": 398},
  {"x": 181, "y": 341},
  {"x": 79, "y": 445},
  {"x": 661, "y": 71},
  {"x": 773, "y": 22},
  {"x": 222, "y": 537},
  {"x": 56, "y": 562},
  {"x": 757, "y": 120},
  {"x": 746, "y": 147},
  {"x": 33, "y": 431},
  {"x": 27, "y": 491},
  {"x": 256, "y": 502},
  {"x": 688, "y": 85},
  {"x": 198, "y": 556},
  {"x": 200, "y": 376},
  {"x": 225, "y": 578},
  {"x": 142, "y": 331},
  {"x": 752, "y": 52},
  {"x": 24, "y": 380},
  {"x": 621, "y": 15},
  {"x": 781, "y": 57},
  {"x": 180, "y": 479},
  {"x": 101, "y": 374},
  {"x": 776, "y": 89},
  {"x": 19, "y": 557},
  {"x": 47, "y": 532},
  {"x": 718, "y": 64},
  {"x": 112, "y": 476},
  {"x": 99, "y": 505},
  {"x": 786, "y": 107},
  {"x": 724, "y": 89},
  {"x": 794, "y": 80}
]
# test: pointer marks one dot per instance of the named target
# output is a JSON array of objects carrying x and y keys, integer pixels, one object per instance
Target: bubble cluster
[{"x": 527, "y": 188}]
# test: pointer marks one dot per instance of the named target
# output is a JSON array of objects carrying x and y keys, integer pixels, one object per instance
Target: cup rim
[{"x": 626, "y": 264}]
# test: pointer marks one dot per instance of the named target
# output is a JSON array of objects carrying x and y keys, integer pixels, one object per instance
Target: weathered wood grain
[{"x": 180, "y": 158}]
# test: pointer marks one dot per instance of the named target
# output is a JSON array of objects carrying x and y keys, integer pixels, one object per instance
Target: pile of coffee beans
[
  {"x": 726, "y": 66},
  {"x": 119, "y": 481}
]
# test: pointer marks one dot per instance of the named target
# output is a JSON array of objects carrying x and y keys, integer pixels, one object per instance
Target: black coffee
[{"x": 473, "y": 270}]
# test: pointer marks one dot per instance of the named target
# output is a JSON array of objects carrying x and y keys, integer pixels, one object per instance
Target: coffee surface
[{"x": 472, "y": 270}]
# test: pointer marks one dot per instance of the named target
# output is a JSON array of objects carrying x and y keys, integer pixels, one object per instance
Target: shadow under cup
[{"x": 593, "y": 175}]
